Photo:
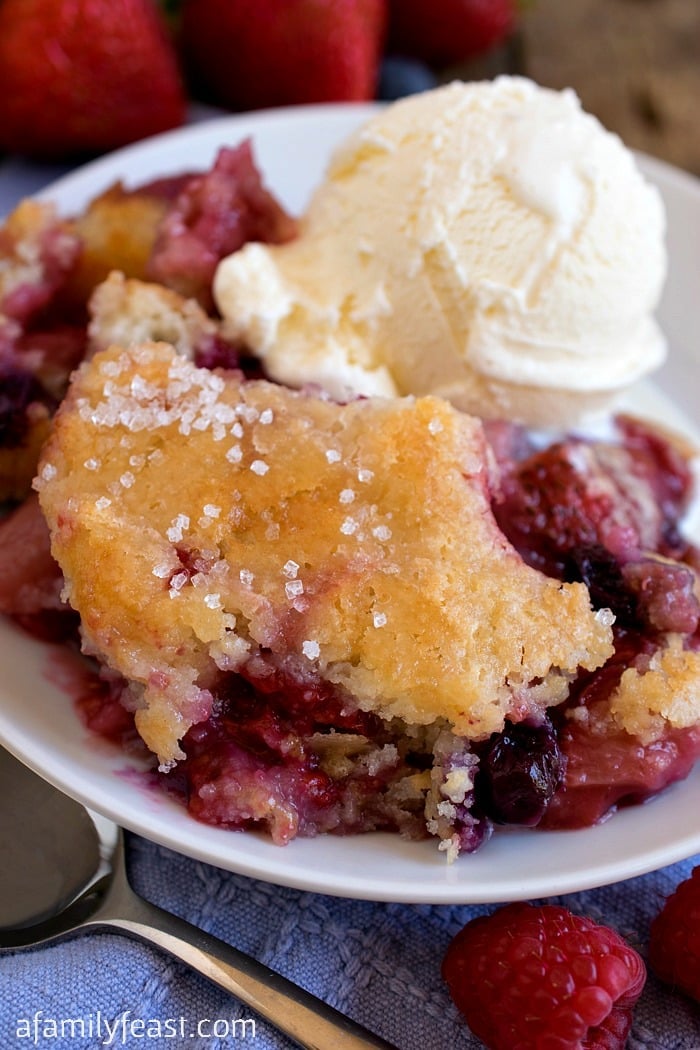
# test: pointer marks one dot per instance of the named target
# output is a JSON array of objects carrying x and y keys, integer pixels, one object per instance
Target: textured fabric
[{"x": 379, "y": 963}]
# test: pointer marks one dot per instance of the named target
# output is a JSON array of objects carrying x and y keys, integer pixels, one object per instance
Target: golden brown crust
[
  {"x": 663, "y": 695},
  {"x": 22, "y": 231},
  {"x": 199, "y": 519},
  {"x": 118, "y": 230}
]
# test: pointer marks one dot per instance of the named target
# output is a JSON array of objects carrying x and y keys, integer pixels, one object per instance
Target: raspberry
[
  {"x": 674, "y": 939},
  {"x": 540, "y": 978}
]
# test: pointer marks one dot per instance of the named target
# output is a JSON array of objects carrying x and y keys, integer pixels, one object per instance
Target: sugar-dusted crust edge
[
  {"x": 662, "y": 694},
  {"x": 411, "y": 600}
]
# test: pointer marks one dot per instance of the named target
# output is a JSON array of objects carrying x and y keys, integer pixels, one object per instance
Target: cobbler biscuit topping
[{"x": 203, "y": 521}]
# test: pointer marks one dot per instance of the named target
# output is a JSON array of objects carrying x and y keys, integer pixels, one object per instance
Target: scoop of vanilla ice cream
[{"x": 487, "y": 242}]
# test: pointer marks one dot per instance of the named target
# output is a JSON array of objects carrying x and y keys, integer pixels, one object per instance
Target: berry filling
[
  {"x": 214, "y": 215},
  {"x": 284, "y": 751},
  {"x": 287, "y": 752},
  {"x": 520, "y": 771},
  {"x": 606, "y": 767},
  {"x": 609, "y": 515},
  {"x": 19, "y": 391},
  {"x": 42, "y": 254}
]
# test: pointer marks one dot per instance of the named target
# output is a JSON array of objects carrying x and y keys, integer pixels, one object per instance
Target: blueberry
[
  {"x": 602, "y": 573},
  {"x": 520, "y": 769},
  {"x": 401, "y": 76},
  {"x": 18, "y": 389}
]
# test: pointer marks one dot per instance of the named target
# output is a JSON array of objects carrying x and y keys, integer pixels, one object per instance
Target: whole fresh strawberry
[
  {"x": 540, "y": 978},
  {"x": 84, "y": 76},
  {"x": 251, "y": 55},
  {"x": 674, "y": 939},
  {"x": 443, "y": 32}
]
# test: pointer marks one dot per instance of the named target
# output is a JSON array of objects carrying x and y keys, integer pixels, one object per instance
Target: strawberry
[
  {"x": 539, "y": 976},
  {"x": 674, "y": 939},
  {"x": 280, "y": 52},
  {"x": 84, "y": 76},
  {"x": 446, "y": 31}
]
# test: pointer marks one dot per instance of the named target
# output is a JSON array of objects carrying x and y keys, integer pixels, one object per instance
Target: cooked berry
[
  {"x": 519, "y": 772},
  {"x": 603, "y": 575},
  {"x": 216, "y": 353},
  {"x": 664, "y": 468},
  {"x": 262, "y": 761},
  {"x": 645, "y": 591},
  {"x": 472, "y": 832},
  {"x": 18, "y": 389},
  {"x": 578, "y": 498},
  {"x": 607, "y": 771},
  {"x": 215, "y": 214},
  {"x": 30, "y": 580},
  {"x": 530, "y": 977},
  {"x": 605, "y": 766},
  {"x": 665, "y": 593}
]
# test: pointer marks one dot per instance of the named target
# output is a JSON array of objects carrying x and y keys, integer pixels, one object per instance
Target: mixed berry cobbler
[{"x": 323, "y": 617}]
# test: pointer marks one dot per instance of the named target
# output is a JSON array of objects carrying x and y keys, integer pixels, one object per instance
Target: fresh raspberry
[
  {"x": 540, "y": 978},
  {"x": 674, "y": 939}
]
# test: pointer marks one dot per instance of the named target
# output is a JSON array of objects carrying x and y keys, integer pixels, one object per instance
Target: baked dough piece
[
  {"x": 663, "y": 695},
  {"x": 202, "y": 521},
  {"x": 126, "y": 310}
]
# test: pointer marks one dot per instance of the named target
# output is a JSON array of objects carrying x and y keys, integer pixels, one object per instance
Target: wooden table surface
[{"x": 634, "y": 63}]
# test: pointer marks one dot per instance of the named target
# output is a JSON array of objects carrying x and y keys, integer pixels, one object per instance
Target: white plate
[{"x": 37, "y": 719}]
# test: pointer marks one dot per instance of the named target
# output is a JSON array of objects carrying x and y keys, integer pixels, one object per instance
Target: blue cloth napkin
[{"x": 378, "y": 963}]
